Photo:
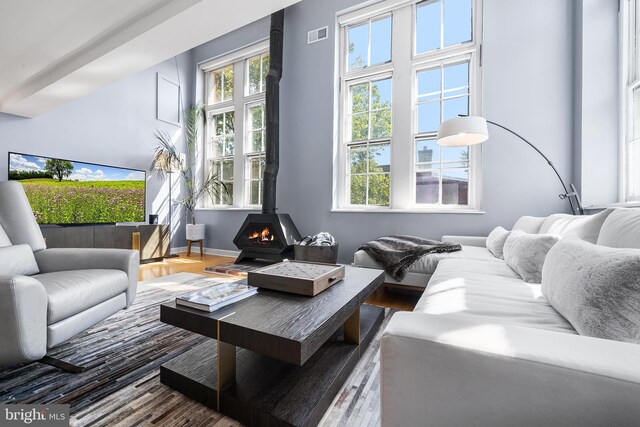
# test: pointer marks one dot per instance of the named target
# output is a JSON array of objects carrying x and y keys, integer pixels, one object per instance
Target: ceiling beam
[{"x": 145, "y": 39}]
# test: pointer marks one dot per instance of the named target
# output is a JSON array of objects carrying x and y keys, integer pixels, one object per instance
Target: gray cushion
[
  {"x": 529, "y": 224},
  {"x": 585, "y": 227},
  {"x": 596, "y": 288},
  {"x": 496, "y": 240},
  {"x": 71, "y": 292},
  {"x": 4, "y": 239},
  {"x": 525, "y": 253},
  {"x": 17, "y": 218},
  {"x": 621, "y": 229},
  {"x": 17, "y": 260}
]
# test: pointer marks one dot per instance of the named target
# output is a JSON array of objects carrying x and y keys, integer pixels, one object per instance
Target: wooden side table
[{"x": 189, "y": 242}]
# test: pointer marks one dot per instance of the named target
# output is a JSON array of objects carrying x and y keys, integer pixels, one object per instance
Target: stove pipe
[{"x": 272, "y": 113}]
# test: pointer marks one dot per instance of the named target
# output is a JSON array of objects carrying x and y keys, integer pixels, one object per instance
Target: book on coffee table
[{"x": 215, "y": 297}]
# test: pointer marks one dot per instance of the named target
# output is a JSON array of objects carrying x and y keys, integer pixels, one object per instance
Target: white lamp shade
[{"x": 461, "y": 131}]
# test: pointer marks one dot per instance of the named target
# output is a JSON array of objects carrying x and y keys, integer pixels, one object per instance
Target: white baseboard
[
  {"x": 222, "y": 252},
  {"x": 208, "y": 251}
]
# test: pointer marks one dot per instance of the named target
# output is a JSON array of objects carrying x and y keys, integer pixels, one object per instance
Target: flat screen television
[{"x": 67, "y": 192}]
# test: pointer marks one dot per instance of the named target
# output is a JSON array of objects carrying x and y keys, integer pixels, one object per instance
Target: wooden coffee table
[{"x": 276, "y": 358}]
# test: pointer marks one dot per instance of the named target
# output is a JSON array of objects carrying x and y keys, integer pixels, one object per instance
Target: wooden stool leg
[
  {"x": 188, "y": 247},
  {"x": 201, "y": 251}
]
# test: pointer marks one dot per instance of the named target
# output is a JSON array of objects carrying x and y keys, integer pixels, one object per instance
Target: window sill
[
  {"x": 230, "y": 208},
  {"x": 410, "y": 211},
  {"x": 614, "y": 205}
]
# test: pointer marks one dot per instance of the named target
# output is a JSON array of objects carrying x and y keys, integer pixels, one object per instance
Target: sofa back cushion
[
  {"x": 525, "y": 253},
  {"x": 596, "y": 288},
  {"x": 496, "y": 240},
  {"x": 585, "y": 227},
  {"x": 4, "y": 239},
  {"x": 17, "y": 260},
  {"x": 529, "y": 224},
  {"x": 621, "y": 229}
]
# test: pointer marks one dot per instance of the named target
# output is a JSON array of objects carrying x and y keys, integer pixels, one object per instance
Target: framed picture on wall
[{"x": 168, "y": 99}]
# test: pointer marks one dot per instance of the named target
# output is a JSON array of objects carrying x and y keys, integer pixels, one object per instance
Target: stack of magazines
[{"x": 217, "y": 296}]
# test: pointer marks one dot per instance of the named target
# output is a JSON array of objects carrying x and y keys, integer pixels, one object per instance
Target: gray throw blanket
[{"x": 395, "y": 254}]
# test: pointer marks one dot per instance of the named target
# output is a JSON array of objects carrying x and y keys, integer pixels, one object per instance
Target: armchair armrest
[
  {"x": 466, "y": 240},
  {"x": 23, "y": 316},
  {"x": 455, "y": 371},
  {"x": 126, "y": 260}
]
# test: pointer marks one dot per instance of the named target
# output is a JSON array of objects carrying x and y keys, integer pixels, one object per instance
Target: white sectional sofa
[
  {"x": 474, "y": 247},
  {"x": 485, "y": 348}
]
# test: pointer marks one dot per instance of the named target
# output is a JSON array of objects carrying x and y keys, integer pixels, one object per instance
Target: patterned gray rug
[{"x": 122, "y": 386}]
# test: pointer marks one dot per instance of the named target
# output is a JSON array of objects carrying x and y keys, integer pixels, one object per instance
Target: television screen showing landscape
[{"x": 67, "y": 192}]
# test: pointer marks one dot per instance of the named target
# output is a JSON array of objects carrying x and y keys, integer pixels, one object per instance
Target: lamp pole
[{"x": 572, "y": 195}]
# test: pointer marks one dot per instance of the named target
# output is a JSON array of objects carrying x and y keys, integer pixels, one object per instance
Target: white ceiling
[{"x": 55, "y": 51}]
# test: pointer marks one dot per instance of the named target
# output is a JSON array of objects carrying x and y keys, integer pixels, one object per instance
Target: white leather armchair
[{"x": 50, "y": 295}]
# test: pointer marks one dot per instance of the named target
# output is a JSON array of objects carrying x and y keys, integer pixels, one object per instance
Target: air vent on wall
[{"x": 317, "y": 35}]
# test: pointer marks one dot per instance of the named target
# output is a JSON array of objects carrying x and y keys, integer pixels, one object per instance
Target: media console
[{"x": 152, "y": 240}]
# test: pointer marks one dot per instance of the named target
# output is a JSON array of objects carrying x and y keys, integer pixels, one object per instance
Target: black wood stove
[
  {"x": 270, "y": 235},
  {"x": 266, "y": 236}
]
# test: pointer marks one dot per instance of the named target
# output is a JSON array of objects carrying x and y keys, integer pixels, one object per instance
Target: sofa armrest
[
  {"x": 454, "y": 371},
  {"x": 466, "y": 240},
  {"x": 23, "y": 316},
  {"x": 126, "y": 260}
]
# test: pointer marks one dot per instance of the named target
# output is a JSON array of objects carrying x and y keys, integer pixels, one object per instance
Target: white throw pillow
[
  {"x": 525, "y": 253},
  {"x": 585, "y": 227},
  {"x": 496, "y": 240},
  {"x": 621, "y": 229},
  {"x": 596, "y": 288},
  {"x": 529, "y": 224},
  {"x": 17, "y": 260}
]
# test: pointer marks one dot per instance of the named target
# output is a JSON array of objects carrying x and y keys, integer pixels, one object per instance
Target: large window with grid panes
[
  {"x": 630, "y": 67},
  {"x": 234, "y": 88},
  {"x": 404, "y": 67}
]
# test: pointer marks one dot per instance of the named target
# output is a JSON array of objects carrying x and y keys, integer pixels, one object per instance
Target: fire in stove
[{"x": 262, "y": 236}]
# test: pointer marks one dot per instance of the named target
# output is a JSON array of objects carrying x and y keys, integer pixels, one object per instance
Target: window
[
  {"x": 255, "y": 156},
  {"x": 235, "y": 131},
  {"x": 222, "y": 147},
  {"x": 403, "y": 70},
  {"x": 369, "y": 147},
  {"x": 631, "y": 98}
]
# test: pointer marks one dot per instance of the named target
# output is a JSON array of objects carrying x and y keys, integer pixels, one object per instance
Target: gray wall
[
  {"x": 532, "y": 56},
  {"x": 527, "y": 77},
  {"x": 596, "y": 101},
  {"x": 114, "y": 126}
]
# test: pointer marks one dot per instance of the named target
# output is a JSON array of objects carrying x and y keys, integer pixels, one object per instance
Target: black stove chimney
[
  {"x": 269, "y": 235},
  {"x": 273, "y": 113}
]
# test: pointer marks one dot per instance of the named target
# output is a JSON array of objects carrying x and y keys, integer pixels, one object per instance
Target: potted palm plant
[{"x": 166, "y": 159}]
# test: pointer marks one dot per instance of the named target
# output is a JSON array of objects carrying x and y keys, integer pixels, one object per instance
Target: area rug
[{"x": 123, "y": 353}]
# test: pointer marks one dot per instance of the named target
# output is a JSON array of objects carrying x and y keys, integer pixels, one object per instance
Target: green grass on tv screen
[{"x": 73, "y": 202}]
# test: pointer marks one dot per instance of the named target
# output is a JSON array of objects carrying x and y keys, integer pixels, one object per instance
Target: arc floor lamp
[{"x": 471, "y": 130}]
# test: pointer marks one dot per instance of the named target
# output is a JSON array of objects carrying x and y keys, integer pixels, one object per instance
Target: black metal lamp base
[{"x": 62, "y": 365}]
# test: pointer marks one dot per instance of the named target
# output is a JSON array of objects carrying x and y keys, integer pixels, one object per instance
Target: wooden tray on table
[{"x": 298, "y": 277}]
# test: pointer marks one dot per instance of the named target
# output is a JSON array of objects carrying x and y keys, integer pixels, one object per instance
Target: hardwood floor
[
  {"x": 392, "y": 297},
  {"x": 385, "y": 296}
]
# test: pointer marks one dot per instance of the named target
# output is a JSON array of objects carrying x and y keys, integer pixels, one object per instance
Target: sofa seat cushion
[
  {"x": 71, "y": 292},
  {"x": 428, "y": 263},
  {"x": 488, "y": 292}
]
